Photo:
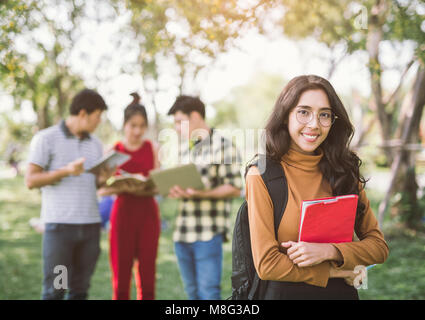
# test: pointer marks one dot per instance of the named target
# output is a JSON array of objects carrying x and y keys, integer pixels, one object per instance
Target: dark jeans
[{"x": 70, "y": 253}]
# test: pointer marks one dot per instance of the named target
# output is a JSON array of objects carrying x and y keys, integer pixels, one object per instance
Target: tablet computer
[
  {"x": 185, "y": 176},
  {"x": 111, "y": 159}
]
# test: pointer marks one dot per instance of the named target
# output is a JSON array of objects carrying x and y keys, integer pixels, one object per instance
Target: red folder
[{"x": 328, "y": 220}]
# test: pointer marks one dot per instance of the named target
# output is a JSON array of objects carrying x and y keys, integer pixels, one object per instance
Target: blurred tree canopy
[
  {"x": 191, "y": 34},
  {"x": 37, "y": 51},
  {"x": 13, "y": 17}
]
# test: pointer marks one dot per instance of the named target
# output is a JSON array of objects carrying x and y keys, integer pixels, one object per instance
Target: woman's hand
[
  {"x": 123, "y": 187},
  {"x": 104, "y": 174},
  {"x": 305, "y": 254}
]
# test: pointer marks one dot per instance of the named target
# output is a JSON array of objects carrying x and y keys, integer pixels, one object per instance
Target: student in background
[
  {"x": 308, "y": 133},
  {"x": 134, "y": 221},
  {"x": 203, "y": 220},
  {"x": 69, "y": 209}
]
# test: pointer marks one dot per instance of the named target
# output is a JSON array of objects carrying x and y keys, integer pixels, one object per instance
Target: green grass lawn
[{"x": 401, "y": 277}]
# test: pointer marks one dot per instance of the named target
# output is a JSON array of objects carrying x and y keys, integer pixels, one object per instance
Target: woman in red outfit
[{"x": 135, "y": 222}]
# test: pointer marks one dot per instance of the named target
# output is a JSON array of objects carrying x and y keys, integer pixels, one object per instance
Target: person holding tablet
[
  {"x": 203, "y": 220},
  {"x": 308, "y": 133},
  {"x": 134, "y": 221}
]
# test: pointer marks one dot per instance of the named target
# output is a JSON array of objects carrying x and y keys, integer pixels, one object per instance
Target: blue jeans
[
  {"x": 70, "y": 253},
  {"x": 200, "y": 266}
]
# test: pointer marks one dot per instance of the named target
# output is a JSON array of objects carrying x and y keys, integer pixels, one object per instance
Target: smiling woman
[
  {"x": 310, "y": 121},
  {"x": 308, "y": 133}
]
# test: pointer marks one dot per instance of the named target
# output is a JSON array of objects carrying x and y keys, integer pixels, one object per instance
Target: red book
[{"x": 328, "y": 220}]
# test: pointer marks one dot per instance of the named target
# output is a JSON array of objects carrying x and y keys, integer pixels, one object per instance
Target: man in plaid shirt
[{"x": 203, "y": 220}]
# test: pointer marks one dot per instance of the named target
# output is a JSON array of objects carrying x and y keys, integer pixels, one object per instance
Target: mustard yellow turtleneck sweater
[{"x": 305, "y": 182}]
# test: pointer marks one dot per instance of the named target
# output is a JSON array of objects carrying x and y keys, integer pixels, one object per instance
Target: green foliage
[
  {"x": 331, "y": 22},
  {"x": 45, "y": 81},
  {"x": 406, "y": 22},
  {"x": 349, "y": 22},
  {"x": 192, "y": 33},
  {"x": 14, "y": 17}
]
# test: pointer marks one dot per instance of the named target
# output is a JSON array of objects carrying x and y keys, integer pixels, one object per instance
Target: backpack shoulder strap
[{"x": 275, "y": 180}]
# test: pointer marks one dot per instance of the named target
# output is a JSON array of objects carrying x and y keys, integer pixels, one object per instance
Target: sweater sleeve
[
  {"x": 269, "y": 262},
  {"x": 371, "y": 248}
]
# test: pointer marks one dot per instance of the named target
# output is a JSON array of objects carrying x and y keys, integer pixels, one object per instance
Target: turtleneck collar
[{"x": 303, "y": 161}]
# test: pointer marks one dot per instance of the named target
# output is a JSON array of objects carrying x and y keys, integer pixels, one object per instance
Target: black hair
[
  {"x": 88, "y": 100},
  {"x": 188, "y": 104},
  {"x": 135, "y": 107}
]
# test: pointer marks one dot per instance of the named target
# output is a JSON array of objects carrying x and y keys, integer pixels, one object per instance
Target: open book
[
  {"x": 328, "y": 220},
  {"x": 133, "y": 178}
]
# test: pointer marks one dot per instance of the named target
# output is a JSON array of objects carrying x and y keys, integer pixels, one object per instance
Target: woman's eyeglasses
[{"x": 326, "y": 118}]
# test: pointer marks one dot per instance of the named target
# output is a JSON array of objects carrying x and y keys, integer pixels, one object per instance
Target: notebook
[{"x": 328, "y": 220}]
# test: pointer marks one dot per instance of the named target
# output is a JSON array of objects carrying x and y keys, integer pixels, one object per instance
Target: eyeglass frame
[{"x": 334, "y": 116}]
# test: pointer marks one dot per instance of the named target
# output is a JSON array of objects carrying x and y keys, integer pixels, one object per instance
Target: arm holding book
[
  {"x": 132, "y": 187},
  {"x": 229, "y": 184},
  {"x": 37, "y": 177},
  {"x": 371, "y": 248},
  {"x": 220, "y": 192},
  {"x": 270, "y": 263},
  {"x": 309, "y": 254}
]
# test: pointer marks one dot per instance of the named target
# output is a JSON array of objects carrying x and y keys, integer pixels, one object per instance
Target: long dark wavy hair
[{"x": 340, "y": 166}]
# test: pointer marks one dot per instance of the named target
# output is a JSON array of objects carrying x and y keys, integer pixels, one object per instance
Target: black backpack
[{"x": 246, "y": 285}]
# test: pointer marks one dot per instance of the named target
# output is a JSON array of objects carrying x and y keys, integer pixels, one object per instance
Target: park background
[{"x": 237, "y": 55}]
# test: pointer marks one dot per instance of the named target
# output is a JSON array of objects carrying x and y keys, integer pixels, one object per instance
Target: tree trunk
[
  {"x": 410, "y": 129},
  {"x": 60, "y": 99},
  {"x": 374, "y": 38},
  {"x": 43, "y": 117}
]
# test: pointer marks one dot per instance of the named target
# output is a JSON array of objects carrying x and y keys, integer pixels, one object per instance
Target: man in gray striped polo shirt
[{"x": 58, "y": 156}]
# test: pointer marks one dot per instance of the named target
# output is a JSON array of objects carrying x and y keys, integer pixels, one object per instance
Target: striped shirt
[
  {"x": 73, "y": 199},
  {"x": 219, "y": 162}
]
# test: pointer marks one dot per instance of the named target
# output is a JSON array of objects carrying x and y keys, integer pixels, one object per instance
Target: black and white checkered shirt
[{"x": 219, "y": 162}]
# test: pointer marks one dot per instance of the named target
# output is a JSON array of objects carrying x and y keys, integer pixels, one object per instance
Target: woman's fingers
[
  {"x": 306, "y": 263},
  {"x": 296, "y": 254},
  {"x": 287, "y": 244},
  {"x": 293, "y": 247},
  {"x": 298, "y": 260}
]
